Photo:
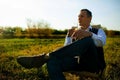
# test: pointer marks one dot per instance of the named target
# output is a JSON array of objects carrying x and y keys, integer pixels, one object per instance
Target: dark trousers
[{"x": 63, "y": 59}]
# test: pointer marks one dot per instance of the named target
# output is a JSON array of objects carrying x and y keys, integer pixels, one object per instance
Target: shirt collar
[{"x": 90, "y": 27}]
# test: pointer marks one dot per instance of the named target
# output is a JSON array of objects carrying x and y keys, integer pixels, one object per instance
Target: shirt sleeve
[
  {"x": 99, "y": 38},
  {"x": 68, "y": 40}
]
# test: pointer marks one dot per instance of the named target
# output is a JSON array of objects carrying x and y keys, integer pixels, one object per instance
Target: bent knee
[{"x": 87, "y": 39}]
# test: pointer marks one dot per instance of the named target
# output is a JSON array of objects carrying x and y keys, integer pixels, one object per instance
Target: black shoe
[{"x": 33, "y": 61}]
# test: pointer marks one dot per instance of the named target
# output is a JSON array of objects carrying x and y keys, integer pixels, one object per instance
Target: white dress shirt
[{"x": 99, "y": 38}]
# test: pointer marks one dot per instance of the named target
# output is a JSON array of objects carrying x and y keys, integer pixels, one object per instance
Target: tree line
[
  {"x": 39, "y": 29},
  {"x": 31, "y": 32},
  {"x": 42, "y": 30}
]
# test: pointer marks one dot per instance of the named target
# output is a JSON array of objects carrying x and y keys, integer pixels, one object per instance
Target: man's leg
[
  {"x": 77, "y": 48},
  {"x": 56, "y": 67}
]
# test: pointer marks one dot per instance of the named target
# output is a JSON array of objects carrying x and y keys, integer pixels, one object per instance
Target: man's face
[{"x": 83, "y": 19}]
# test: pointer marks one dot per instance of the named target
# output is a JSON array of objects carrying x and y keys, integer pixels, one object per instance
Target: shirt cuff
[{"x": 68, "y": 40}]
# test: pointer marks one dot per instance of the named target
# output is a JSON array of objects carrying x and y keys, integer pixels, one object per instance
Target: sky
[{"x": 60, "y": 14}]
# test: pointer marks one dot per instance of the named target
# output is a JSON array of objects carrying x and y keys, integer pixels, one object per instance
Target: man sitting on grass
[{"x": 86, "y": 42}]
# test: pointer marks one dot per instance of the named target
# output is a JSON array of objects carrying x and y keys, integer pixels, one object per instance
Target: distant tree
[
  {"x": 8, "y": 32},
  {"x": 111, "y": 33},
  {"x": 17, "y": 32},
  {"x": 1, "y": 32},
  {"x": 38, "y": 29},
  {"x": 59, "y": 32},
  {"x": 117, "y": 33}
]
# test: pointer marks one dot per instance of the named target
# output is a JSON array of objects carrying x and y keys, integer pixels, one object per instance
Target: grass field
[{"x": 10, "y": 49}]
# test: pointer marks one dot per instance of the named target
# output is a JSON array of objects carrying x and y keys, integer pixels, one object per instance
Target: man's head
[{"x": 84, "y": 18}]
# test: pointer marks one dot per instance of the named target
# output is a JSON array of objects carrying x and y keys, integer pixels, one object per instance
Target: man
[{"x": 87, "y": 44}]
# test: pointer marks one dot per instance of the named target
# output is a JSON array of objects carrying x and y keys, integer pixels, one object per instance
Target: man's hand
[
  {"x": 70, "y": 32},
  {"x": 80, "y": 34}
]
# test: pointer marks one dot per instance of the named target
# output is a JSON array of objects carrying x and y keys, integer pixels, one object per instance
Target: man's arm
[
  {"x": 99, "y": 38},
  {"x": 68, "y": 39}
]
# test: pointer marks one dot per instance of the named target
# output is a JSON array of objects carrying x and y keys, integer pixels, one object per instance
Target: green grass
[{"x": 10, "y": 49}]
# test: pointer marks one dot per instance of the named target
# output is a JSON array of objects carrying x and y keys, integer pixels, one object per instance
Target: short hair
[{"x": 89, "y": 13}]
